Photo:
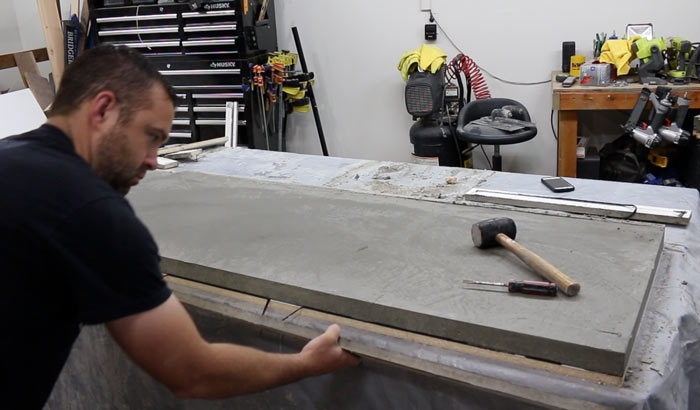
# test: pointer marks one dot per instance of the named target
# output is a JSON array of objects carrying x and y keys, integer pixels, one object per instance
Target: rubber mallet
[{"x": 495, "y": 231}]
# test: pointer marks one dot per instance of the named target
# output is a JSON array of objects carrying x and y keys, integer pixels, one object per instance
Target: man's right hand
[
  {"x": 323, "y": 354},
  {"x": 165, "y": 342}
]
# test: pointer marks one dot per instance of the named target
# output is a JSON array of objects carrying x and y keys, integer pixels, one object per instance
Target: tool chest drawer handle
[
  {"x": 218, "y": 96},
  {"x": 209, "y": 87},
  {"x": 209, "y": 42},
  {"x": 152, "y": 44},
  {"x": 210, "y": 122},
  {"x": 222, "y": 27},
  {"x": 201, "y": 72},
  {"x": 136, "y": 18},
  {"x": 133, "y": 31},
  {"x": 180, "y": 135},
  {"x": 222, "y": 108},
  {"x": 209, "y": 14}
]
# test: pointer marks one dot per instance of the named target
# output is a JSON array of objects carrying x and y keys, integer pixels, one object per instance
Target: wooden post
[
  {"x": 53, "y": 33},
  {"x": 568, "y": 130},
  {"x": 84, "y": 25}
]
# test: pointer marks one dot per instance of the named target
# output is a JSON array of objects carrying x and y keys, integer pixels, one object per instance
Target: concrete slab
[{"x": 400, "y": 263}]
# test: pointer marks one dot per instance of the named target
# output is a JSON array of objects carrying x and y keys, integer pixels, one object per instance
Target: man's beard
[{"x": 112, "y": 162}]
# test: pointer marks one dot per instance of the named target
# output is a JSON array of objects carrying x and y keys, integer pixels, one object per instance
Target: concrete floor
[{"x": 401, "y": 262}]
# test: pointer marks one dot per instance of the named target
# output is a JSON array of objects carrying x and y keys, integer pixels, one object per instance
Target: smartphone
[{"x": 557, "y": 184}]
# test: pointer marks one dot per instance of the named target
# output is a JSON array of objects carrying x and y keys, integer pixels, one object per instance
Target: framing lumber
[
  {"x": 8, "y": 60},
  {"x": 622, "y": 211},
  {"x": 84, "y": 25},
  {"x": 200, "y": 144},
  {"x": 26, "y": 63},
  {"x": 167, "y": 163},
  {"x": 53, "y": 33},
  {"x": 40, "y": 87}
]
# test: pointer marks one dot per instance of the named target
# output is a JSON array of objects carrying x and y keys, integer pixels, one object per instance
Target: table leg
[{"x": 568, "y": 130}]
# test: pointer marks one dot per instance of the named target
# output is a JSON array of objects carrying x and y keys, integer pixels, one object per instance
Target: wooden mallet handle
[{"x": 541, "y": 266}]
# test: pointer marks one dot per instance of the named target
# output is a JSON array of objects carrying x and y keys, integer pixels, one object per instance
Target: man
[{"x": 73, "y": 253}]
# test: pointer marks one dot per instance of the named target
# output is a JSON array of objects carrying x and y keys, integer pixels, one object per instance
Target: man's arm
[{"x": 165, "y": 342}]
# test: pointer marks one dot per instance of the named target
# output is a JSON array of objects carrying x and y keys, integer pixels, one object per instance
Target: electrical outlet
[
  {"x": 426, "y": 5},
  {"x": 431, "y": 31}
]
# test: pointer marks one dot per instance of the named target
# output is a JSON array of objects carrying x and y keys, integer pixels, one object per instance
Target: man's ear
[{"x": 104, "y": 111}]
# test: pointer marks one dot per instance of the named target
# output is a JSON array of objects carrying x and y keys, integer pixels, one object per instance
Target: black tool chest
[{"x": 202, "y": 47}]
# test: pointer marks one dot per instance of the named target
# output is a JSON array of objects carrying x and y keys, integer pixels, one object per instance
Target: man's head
[{"x": 118, "y": 110}]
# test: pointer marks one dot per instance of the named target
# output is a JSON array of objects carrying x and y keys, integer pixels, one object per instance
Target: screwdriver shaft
[
  {"x": 521, "y": 286},
  {"x": 481, "y": 282}
]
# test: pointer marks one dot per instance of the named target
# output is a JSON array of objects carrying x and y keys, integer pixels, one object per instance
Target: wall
[
  {"x": 354, "y": 48},
  {"x": 9, "y": 43}
]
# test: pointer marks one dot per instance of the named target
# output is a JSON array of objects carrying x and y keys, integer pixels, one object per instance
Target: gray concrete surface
[{"x": 400, "y": 262}]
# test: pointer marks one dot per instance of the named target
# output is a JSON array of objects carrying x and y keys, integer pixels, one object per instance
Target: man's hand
[
  {"x": 165, "y": 342},
  {"x": 323, "y": 354}
]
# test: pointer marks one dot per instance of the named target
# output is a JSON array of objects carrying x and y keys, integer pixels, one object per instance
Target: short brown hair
[{"x": 119, "y": 69}]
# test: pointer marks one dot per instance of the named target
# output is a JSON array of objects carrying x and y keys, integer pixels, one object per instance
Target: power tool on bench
[
  {"x": 672, "y": 132},
  {"x": 650, "y": 54},
  {"x": 692, "y": 70},
  {"x": 683, "y": 60}
]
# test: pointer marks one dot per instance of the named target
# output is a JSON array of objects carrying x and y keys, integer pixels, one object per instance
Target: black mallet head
[{"x": 484, "y": 232}]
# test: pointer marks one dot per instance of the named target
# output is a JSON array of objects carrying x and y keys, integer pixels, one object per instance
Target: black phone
[{"x": 557, "y": 184}]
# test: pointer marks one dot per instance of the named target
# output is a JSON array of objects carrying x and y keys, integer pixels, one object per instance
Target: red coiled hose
[{"x": 471, "y": 71}]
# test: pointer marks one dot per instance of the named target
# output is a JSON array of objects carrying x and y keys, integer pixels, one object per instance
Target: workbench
[
  {"x": 569, "y": 101},
  {"x": 403, "y": 369}
]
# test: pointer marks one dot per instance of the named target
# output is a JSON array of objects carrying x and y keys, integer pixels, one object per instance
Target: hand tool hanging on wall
[
  {"x": 495, "y": 231},
  {"x": 314, "y": 107},
  {"x": 521, "y": 286},
  {"x": 283, "y": 92},
  {"x": 278, "y": 79},
  {"x": 259, "y": 83}
]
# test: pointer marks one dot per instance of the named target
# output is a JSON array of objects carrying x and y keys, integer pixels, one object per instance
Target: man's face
[{"x": 124, "y": 155}]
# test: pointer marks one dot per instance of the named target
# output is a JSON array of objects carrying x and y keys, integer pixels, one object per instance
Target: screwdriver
[{"x": 522, "y": 286}]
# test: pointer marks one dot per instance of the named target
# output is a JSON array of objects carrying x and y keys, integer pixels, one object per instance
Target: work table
[
  {"x": 434, "y": 372},
  {"x": 569, "y": 101}
]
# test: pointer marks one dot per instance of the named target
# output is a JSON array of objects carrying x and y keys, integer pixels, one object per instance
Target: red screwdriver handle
[{"x": 533, "y": 287}]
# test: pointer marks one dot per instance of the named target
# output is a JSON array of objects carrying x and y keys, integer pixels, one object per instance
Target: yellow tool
[{"x": 288, "y": 59}]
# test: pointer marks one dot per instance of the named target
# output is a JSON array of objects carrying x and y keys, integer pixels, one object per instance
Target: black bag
[{"x": 619, "y": 161}]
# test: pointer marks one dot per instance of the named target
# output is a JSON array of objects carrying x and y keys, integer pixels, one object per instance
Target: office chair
[{"x": 483, "y": 134}]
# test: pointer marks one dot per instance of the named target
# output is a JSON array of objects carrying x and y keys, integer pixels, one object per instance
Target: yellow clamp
[{"x": 288, "y": 59}]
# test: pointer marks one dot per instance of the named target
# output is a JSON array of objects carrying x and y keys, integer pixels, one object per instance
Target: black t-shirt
[{"x": 72, "y": 252}]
